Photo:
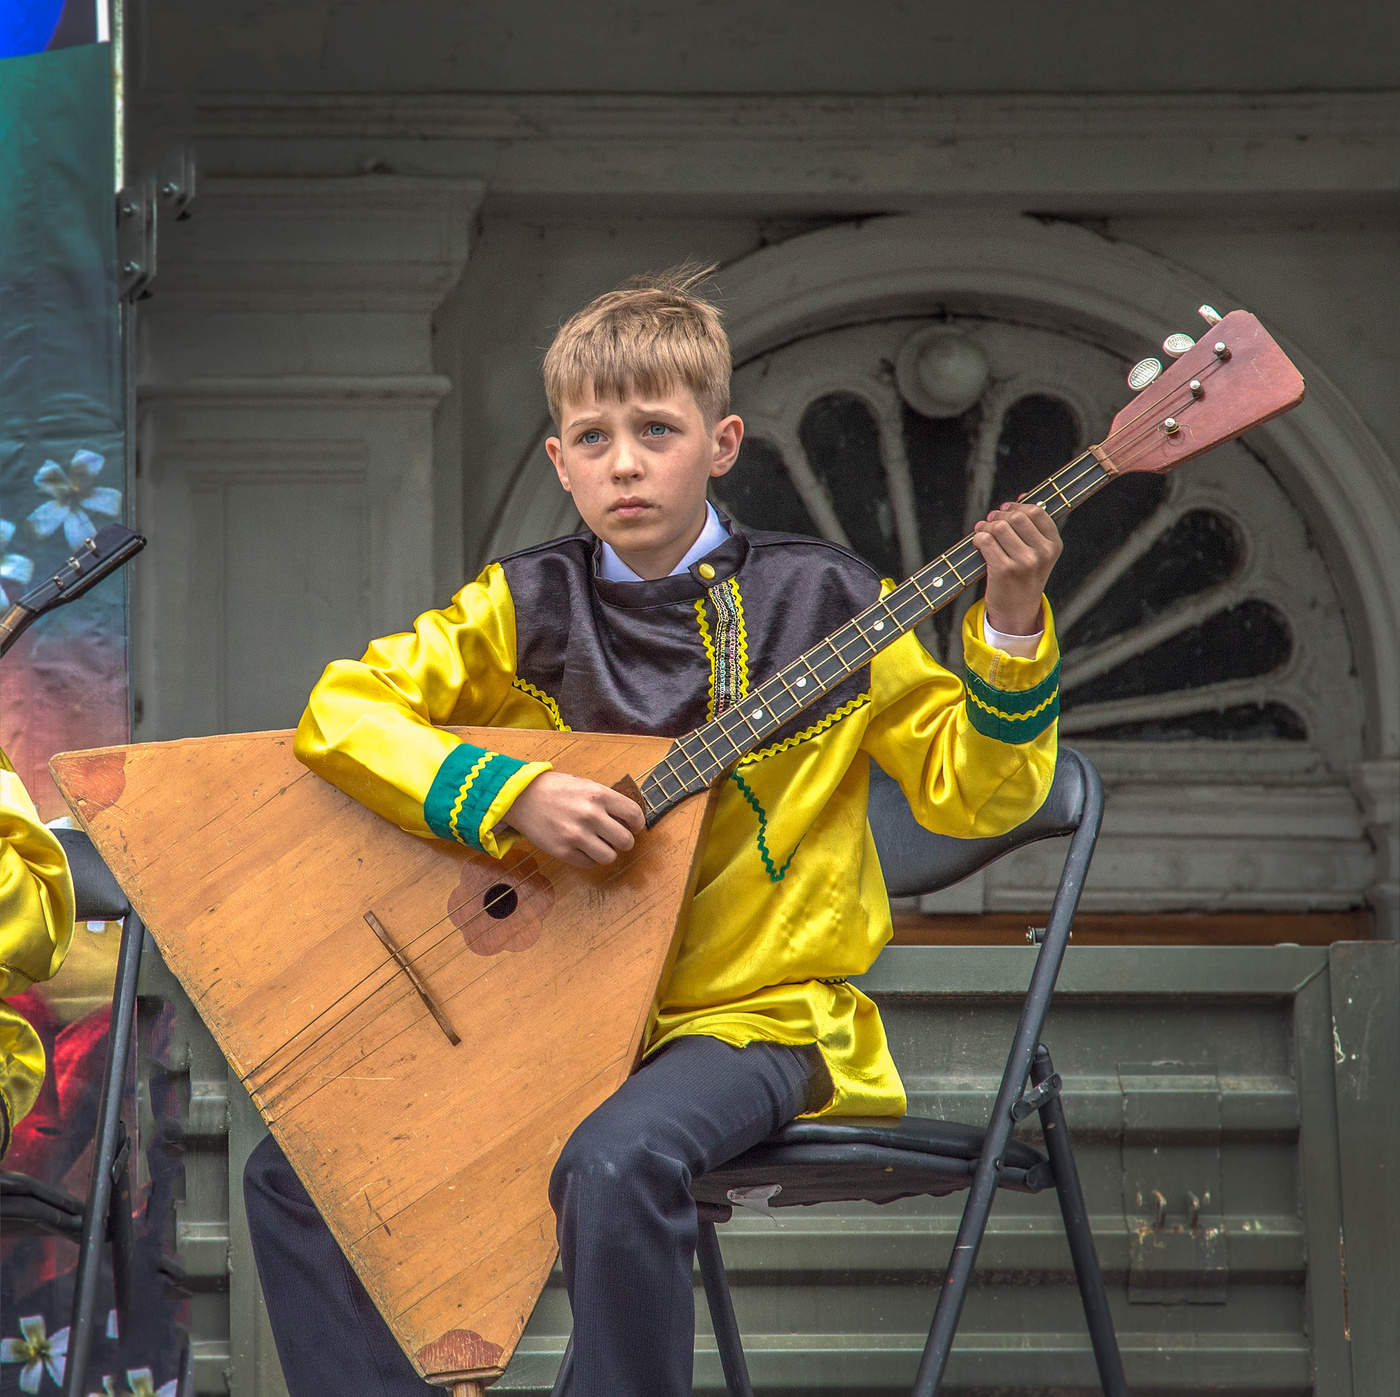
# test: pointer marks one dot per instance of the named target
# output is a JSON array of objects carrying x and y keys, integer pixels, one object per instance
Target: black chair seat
[{"x": 874, "y": 1161}]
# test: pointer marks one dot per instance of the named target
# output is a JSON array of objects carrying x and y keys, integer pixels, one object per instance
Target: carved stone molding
[
  {"x": 783, "y": 148},
  {"x": 359, "y": 243}
]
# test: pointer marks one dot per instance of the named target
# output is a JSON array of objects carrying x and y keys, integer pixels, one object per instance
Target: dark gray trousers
[{"x": 625, "y": 1219}]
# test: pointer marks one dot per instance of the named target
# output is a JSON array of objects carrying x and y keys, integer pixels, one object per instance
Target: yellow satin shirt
[
  {"x": 790, "y": 902},
  {"x": 36, "y": 929}
]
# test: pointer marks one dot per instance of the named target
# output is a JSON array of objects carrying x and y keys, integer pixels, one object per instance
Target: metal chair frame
[
  {"x": 105, "y": 1213},
  {"x": 878, "y": 1161}
]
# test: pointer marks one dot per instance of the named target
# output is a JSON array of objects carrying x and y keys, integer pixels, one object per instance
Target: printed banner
[{"x": 64, "y": 684}]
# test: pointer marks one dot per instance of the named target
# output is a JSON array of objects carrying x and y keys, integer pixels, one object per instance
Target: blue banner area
[
  {"x": 32, "y": 26},
  {"x": 63, "y": 685}
]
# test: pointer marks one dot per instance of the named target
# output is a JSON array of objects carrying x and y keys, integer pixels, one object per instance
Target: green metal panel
[
  {"x": 1365, "y": 986},
  {"x": 1245, "y": 1079}
]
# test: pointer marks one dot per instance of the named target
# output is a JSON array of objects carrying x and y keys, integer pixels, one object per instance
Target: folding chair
[
  {"x": 830, "y": 1161},
  {"x": 28, "y": 1203}
]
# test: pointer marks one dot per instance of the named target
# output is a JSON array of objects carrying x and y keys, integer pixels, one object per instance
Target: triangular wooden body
[{"x": 429, "y": 1160}]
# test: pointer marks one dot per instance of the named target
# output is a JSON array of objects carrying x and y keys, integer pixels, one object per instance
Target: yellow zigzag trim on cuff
[
  {"x": 834, "y": 716},
  {"x": 541, "y": 697},
  {"x": 709, "y": 653},
  {"x": 462, "y": 794},
  {"x": 1013, "y": 717}
]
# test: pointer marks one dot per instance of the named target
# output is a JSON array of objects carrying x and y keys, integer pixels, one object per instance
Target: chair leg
[
  {"x": 727, "y": 1340},
  {"x": 958, "y": 1278},
  {"x": 1081, "y": 1240},
  {"x": 122, "y": 1235},
  {"x": 96, "y": 1214}
]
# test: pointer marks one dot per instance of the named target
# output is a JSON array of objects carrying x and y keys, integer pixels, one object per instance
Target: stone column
[{"x": 286, "y": 471}]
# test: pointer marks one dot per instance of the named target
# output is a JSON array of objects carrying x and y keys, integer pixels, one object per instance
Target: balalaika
[{"x": 423, "y": 1027}]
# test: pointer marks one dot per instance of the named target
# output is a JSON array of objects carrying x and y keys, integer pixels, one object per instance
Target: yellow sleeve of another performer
[{"x": 36, "y": 929}]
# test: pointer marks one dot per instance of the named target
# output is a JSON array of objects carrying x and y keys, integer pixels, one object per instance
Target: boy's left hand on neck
[{"x": 1019, "y": 543}]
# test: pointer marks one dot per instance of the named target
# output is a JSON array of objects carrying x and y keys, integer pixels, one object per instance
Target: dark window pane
[
  {"x": 1244, "y": 722},
  {"x": 1099, "y": 526},
  {"x": 1247, "y": 640},
  {"x": 939, "y": 451},
  {"x": 759, "y": 493},
  {"x": 841, "y": 441},
  {"x": 1038, "y": 435},
  {"x": 1201, "y": 550}
]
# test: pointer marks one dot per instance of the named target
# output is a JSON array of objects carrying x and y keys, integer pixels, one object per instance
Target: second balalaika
[{"x": 407, "y": 1015}]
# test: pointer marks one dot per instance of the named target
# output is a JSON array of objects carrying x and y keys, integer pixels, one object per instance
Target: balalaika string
[{"x": 693, "y": 763}]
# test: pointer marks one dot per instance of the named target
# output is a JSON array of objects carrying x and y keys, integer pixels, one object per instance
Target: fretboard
[{"x": 697, "y": 760}]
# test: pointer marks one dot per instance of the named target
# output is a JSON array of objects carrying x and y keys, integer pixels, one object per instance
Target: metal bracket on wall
[
  {"x": 139, "y": 206},
  {"x": 1172, "y": 1206},
  {"x": 136, "y": 238},
  {"x": 175, "y": 182}
]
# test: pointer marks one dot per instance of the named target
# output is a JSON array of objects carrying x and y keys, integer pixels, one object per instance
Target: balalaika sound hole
[{"x": 500, "y": 900}]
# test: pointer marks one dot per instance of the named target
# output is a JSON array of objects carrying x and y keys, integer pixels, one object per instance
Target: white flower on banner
[
  {"x": 37, "y": 1351},
  {"x": 75, "y": 498},
  {"x": 14, "y": 567},
  {"x": 141, "y": 1381}
]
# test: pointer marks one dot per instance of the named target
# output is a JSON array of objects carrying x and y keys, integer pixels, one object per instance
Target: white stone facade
[{"x": 339, "y": 412}]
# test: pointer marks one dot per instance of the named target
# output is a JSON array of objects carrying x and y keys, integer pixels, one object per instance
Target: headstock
[
  {"x": 110, "y": 547},
  {"x": 1235, "y": 378}
]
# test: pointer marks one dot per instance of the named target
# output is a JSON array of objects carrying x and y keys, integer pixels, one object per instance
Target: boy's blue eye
[
  {"x": 656, "y": 429},
  {"x": 591, "y": 437}
]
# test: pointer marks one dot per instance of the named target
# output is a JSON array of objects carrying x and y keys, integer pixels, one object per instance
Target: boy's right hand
[{"x": 574, "y": 820}]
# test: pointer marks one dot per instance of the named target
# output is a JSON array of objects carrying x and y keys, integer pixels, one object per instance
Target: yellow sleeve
[
  {"x": 974, "y": 756},
  {"x": 373, "y": 726},
  {"x": 36, "y": 929}
]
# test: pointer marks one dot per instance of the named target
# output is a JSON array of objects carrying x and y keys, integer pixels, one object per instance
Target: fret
[
  {"x": 691, "y": 776},
  {"x": 914, "y": 583},
  {"x": 659, "y": 778},
  {"x": 749, "y": 720},
  {"x": 725, "y": 726},
  {"x": 699, "y": 735},
  {"x": 781, "y": 678},
  {"x": 1051, "y": 483},
  {"x": 918, "y": 599},
  {"x": 855, "y": 633}
]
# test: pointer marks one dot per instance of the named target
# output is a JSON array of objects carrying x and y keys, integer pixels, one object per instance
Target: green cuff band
[
  {"x": 1013, "y": 715},
  {"x": 462, "y": 792}
]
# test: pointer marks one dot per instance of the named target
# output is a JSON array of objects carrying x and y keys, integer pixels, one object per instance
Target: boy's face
[{"x": 638, "y": 470}]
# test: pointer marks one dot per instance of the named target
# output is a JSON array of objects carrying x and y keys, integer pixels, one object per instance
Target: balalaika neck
[{"x": 697, "y": 760}]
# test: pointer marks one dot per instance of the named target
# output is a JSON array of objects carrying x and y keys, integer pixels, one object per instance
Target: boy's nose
[{"x": 625, "y": 464}]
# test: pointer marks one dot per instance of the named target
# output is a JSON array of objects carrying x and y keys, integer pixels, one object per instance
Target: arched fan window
[{"x": 1191, "y": 607}]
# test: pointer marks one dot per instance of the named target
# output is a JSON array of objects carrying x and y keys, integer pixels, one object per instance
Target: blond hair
[{"x": 651, "y": 336}]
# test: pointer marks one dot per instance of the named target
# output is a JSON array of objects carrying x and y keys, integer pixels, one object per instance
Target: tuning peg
[
  {"x": 1143, "y": 372},
  {"x": 1210, "y": 315},
  {"x": 1177, "y": 345}
]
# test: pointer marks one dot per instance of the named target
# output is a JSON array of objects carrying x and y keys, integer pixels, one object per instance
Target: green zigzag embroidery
[{"x": 775, "y": 874}]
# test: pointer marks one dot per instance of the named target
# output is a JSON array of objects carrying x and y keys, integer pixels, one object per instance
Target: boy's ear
[
  {"x": 555, "y": 449},
  {"x": 727, "y": 437}
]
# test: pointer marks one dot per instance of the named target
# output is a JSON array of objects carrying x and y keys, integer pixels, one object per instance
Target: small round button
[{"x": 706, "y": 571}]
